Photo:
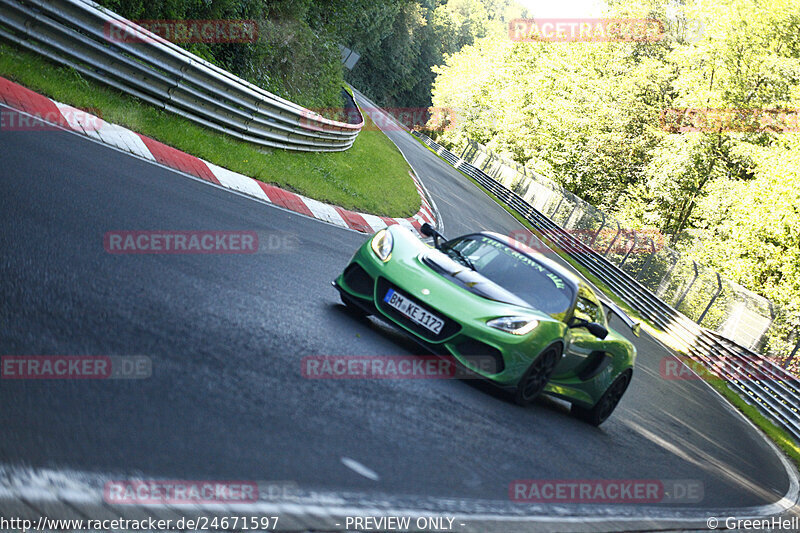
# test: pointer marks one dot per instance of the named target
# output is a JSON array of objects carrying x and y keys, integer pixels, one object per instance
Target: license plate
[{"x": 414, "y": 312}]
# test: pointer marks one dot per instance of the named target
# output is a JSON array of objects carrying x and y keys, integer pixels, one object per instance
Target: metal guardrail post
[
  {"x": 569, "y": 217},
  {"x": 646, "y": 265},
  {"x": 603, "y": 225},
  {"x": 713, "y": 299},
  {"x": 669, "y": 273},
  {"x": 497, "y": 169},
  {"x": 635, "y": 244},
  {"x": 788, "y": 360},
  {"x": 560, "y": 201},
  {"x": 614, "y": 240},
  {"x": 473, "y": 150},
  {"x": 688, "y": 287}
]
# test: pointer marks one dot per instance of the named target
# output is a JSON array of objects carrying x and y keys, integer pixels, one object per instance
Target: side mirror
[
  {"x": 428, "y": 231},
  {"x": 598, "y": 330}
]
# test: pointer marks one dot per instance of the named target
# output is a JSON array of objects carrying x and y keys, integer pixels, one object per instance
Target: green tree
[{"x": 598, "y": 118}]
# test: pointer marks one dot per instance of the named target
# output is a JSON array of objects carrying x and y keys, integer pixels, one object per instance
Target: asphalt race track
[{"x": 226, "y": 334}]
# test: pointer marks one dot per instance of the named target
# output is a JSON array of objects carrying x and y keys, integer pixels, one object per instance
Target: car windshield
[{"x": 526, "y": 278}]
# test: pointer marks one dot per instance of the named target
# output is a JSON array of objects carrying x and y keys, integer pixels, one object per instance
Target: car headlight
[
  {"x": 518, "y": 325},
  {"x": 382, "y": 244}
]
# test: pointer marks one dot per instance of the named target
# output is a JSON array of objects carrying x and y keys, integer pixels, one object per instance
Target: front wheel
[
  {"x": 537, "y": 376},
  {"x": 607, "y": 402}
]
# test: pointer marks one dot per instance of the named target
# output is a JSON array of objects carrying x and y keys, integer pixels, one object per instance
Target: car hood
[{"x": 468, "y": 279}]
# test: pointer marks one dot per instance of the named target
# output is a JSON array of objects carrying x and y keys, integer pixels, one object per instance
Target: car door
[{"x": 582, "y": 350}]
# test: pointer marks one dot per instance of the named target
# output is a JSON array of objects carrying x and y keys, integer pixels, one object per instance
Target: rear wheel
[
  {"x": 537, "y": 376},
  {"x": 607, "y": 402}
]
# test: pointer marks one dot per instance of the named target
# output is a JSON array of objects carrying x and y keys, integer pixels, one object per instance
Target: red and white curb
[{"x": 23, "y": 99}]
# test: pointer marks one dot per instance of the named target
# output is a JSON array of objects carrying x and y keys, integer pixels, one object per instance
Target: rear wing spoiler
[{"x": 612, "y": 308}]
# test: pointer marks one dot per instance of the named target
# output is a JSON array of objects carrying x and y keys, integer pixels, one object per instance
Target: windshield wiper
[{"x": 463, "y": 259}]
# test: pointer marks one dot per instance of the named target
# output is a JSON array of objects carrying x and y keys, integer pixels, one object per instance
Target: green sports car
[{"x": 485, "y": 297}]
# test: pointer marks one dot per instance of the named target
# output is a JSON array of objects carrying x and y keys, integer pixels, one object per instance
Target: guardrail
[
  {"x": 770, "y": 388},
  {"x": 75, "y": 33}
]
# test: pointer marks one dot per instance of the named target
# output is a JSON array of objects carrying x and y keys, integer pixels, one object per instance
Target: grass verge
[
  {"x": 371, "y": 176},
  {"x": 779, "y": 436}
]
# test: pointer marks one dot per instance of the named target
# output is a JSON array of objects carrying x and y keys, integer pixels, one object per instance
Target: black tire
[
  {"x": 353, "y": 308},
  {"x": 537, "y": 376},
  {"x": 607, "y": 402}
]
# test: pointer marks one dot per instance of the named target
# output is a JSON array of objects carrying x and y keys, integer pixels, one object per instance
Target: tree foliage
[
  {"x": 595, "y": 117},
  {"x": 297, "y": 54},
  {"x": 289, "y": 58}
]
